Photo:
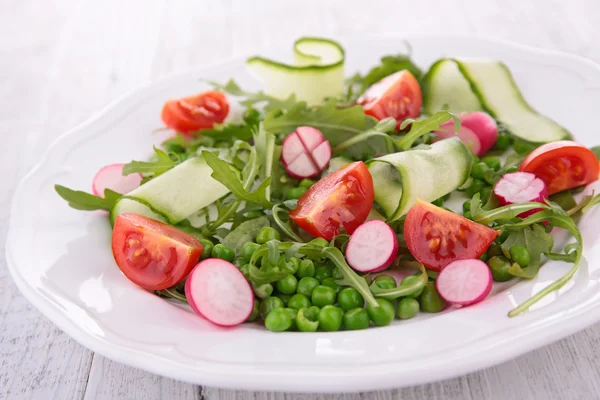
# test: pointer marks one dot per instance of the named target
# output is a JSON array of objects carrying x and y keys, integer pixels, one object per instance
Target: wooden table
[{"x": 62, "y": 61}]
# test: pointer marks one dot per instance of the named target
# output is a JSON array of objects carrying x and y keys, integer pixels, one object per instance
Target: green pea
[
  {"x": 330, "y": 282},
  {"x": 430, "y": 299},
  {"x": 255, "y": 311},
  {"x": 268, "y": 305},
  {"x": 494, "y": 250},
  {"x": 319, "y": 242},
  {"x": 248, "y": 249},
  {"x": 520, "y": 255},
  {"x": 512, "y": 169},
  {"x": 296, "y": 193},
  {"x": 306, "y": 183},
  {"x": 499, "y": 266},
  {"x": 323, "y": 296},
  {"x": 299, "y": 301},
  {"x": 385, "y": 282},
  {"x": 330, "y": 318},
  {"x": 349, "y": 298},
  {"x": 475, "y": 187},
  {"x": 245, "y": 269},
  {"x": 478, "y": 171},
  {"x": 492, "y": 162},
  {"x": 306, "y": 286},
  {"x": 293, "y": 313},
  {"x": 263, "y": 291},
  {"x": 290, "y": 266},
  {"x": 438, "y": 202},
  {"x": 278, "y": 320},
  {"x": 407, "y": 308},
  {"x": 223, "y": 252},
  {"x": 322, "y": 273},
  {"x": 307, "y": 319},
  {"x": 254, "y": 214},
  {"x": 287, "y": 285},
  {"x": 410, "y": 281},
  {"x": 356, "y": 318},
  {"x": 466, "y": 206},
  {"x": 283, "y": 297},
  {"x": 266, "y": 234},
  {"x": 306, "y": 268},
  {"x": 503, "y": 142},
  {"x": 382, "y": 315},
  {"x": 207, "y": 247},
  {"x": 523, "y": 147}
]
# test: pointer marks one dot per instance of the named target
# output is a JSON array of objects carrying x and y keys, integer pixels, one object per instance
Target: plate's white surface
[{"x": 61, "y": 260}]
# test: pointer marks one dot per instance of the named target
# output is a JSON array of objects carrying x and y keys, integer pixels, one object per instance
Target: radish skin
[
  {"x": 111, "y": 177},
  {"x": 466, "y": 135},
  {"x": 372, "y": 247},
  {"x": 521, "y": 187},
  {"x": 305, "y": 153},
  {"x": 464, "y": 282},
  {"x": 219, "y": 292},
  {"x": 484, "y": 126}
]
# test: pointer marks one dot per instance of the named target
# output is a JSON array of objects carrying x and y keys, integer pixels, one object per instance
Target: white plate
[{"x": 61, "y": 259}]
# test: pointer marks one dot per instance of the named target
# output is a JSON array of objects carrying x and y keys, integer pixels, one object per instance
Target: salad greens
[{"x": 247, "y": 204}]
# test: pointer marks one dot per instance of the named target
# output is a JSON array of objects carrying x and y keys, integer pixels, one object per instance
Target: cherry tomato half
[
  {"x": 436, "y": 237},
  {"x": 342, "y": 199},
  {"x": 562, "y": 165},
  {"x": 151, "y": 254},
  {"x": 191, "y": 114},
  {"x": 397, "y": 96}
]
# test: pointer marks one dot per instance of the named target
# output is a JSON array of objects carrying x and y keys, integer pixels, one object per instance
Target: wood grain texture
[{"x": 63, "y": 61}]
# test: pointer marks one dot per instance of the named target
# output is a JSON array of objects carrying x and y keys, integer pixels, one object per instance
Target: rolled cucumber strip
[
  {"x": 176, "y": 194},
  {"x": 129, "y": 205},
  {"x": 445, "y": 88},
  {"x": 317, "y": 72},
  {"x": 427, "y": 174}
]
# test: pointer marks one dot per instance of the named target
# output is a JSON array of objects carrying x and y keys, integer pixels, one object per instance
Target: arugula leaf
[
  {"x": 162, "y": 163},
  {"x": 251, "y": 99},
  {"x": 336, "y": 124},
  {"x": 424, "y": 126},
  {"x": 264, "y": 143},
  {"x": 245, "y": 232},
  {"x": 564, "y": 199},
  {"x": 400, "y": 291},
  {"x": 226, "y": 173},
  {"x": 88, "y": 202},
  {"x": 285, "y": 225},
  {"x": 537, "y": 241},
  {"x": 241, "y": 130},
  {"x": 370, "y": 143}
]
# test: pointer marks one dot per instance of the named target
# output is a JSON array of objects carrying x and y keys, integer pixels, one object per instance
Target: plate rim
[{"x": 139, "y": 359}]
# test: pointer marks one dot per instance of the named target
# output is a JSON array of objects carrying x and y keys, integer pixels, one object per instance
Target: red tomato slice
[
  {"x": 194, "y": 113},
  {"x": 342, "y": 199},
  {"x": 151, "y": 254},
  {"x": 436, "y": 237},
  {"x": 562, "y": 165},
  {"x": 397, "y": 96}
]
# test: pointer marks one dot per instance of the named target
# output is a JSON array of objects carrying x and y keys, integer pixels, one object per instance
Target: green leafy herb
[
  {"x": 370, "y": 143},
  {"x": 245, "y": 232},
  {"x": 401, "y": 291},
  {"x": 264, "y": 143},
  {"x": 241, "y": 130},
  {"x": 281, "y": 217},
  {"x": 424, "y": 126},
  {"x": 88, "y": 202},
  {"x": 258, "y": 98},
  {"x": 537, "y": 241},
  {"x": 162, "y": 163}
]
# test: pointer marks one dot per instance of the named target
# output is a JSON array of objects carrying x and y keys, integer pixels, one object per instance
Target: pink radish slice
[
  {"x": 464, "y": 282},
  {"x": 111, "y": 177},
  {"x": 305, "y": 153},
  {"x": 466, "y": 135},
  {"x": 372, "y": 247},
  {"x": 521, "y": 187},
  {"x": 219, "y": 292},
  {"x": 483, "y": 126}
]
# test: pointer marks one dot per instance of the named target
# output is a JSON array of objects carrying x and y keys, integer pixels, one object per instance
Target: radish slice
[
  {"x": 219, "y": 292},
  {"x": 464, "y": 282},
  {"x": 372, "y": 247},
  {"x": 521, "y": 187},
  {"x": 111, "y": 177},
  {"x": 305, "y": 153},
  {"x": 483, "y": 126},
  {"x": 466, "y": 135}
]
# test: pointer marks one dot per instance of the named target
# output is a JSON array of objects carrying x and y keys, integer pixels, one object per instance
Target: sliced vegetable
[
  {"x": 219, "y": 292},
  {"x": 397, "y": 96},
  {"x": 305, "y": 153},
  {"x": 191, "y": 114},
  {"x": 445, "y": 88},
  {"x": 317, "y": 73},
  {"x": 372, "y": 247},
  {"x": 339, "y": 201},
  {"x": 562, "y": 165},
  {"x": 111, "y": 177},
  {"x": 436, "y": 237},
  {"x": 521, "y": 187},
  {"x": 484, "y": 126},
  {"x": 151, "y": 254},
  {"x": 430, "y": 173},
  {"x": 464, "y": 282},
  {"x": 466, "y": 135}
]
